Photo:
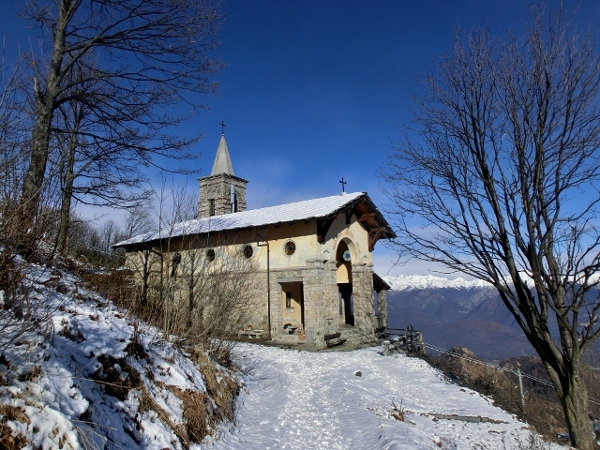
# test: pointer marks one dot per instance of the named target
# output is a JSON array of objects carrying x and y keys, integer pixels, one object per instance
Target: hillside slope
[{"x": 76, "y": 372}]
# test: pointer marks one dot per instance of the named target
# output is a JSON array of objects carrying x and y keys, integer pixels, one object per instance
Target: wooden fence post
[{"x": 521, "y": 393}]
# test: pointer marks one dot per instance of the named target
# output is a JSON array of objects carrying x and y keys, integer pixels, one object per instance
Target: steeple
[
  {"x": 221, "y": 192},
  {"x": 222, "y": 160}
]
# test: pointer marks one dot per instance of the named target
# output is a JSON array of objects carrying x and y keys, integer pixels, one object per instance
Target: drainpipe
[{"x": 266, "y": 243}]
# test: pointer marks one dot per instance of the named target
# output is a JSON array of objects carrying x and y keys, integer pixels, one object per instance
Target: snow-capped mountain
[
  {"x": 456, "y": 313},
  {"x": 411, "y": 282}
]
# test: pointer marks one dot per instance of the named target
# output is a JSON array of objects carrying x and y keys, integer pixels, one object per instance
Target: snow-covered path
[{"x": 306, "y": 400}]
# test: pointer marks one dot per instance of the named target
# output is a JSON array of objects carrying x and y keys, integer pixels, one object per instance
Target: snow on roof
[{"x": 271, "y": 215}]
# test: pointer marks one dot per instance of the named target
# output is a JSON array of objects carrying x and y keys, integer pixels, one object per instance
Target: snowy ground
[
  {"x": 306, "y": 400},
  {"x": 89, "y": 376}
]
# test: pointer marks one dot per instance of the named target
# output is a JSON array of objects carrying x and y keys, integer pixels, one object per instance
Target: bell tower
[{"x": 221, "y": 192}]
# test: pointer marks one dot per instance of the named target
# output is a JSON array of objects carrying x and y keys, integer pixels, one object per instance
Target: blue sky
[{"x": 314, "y": 91}]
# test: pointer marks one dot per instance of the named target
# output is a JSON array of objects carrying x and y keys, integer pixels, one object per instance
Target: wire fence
[{"x": 517, "y": 372}]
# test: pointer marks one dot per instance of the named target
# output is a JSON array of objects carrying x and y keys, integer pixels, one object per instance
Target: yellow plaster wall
[{"x": 303, "y": 235}]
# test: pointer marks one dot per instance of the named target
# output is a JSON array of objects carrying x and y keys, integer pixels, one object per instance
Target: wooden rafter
[
  {"x": 374, "y": 236},
  {"x": 365, "y": 217},
  {"x": 349, "y": 213},
  {"x": 322, "y": 228}
]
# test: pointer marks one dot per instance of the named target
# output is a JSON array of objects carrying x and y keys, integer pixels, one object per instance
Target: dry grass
[
  {"x": 196, "y": 414},
  {"x": 398, "y": 412},
  {"x": 9, "y": 441},
  {"x": 116, "y": 285},
  {"x": 32, "y": 374},
  {"x": 221, "y": 386},
  {"x": 10, "y": 276},
  {"x": 135, "y": 347},
  {"x": 542, "y": 410},
  {"x": 110, "y": 375},
  {"x": 10, "y": 412},
  {"x": 71, "y": 333}
]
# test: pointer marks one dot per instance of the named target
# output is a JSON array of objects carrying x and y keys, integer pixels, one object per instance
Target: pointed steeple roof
[{"x": 222, "y": 160}]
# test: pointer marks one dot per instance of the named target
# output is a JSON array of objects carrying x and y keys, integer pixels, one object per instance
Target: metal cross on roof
[
  {"x": 343, "y": 183},
  {"x": 222, "y": 127}
]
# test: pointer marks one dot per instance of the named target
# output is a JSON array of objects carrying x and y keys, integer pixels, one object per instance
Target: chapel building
[{"x": 311, "y": 260}]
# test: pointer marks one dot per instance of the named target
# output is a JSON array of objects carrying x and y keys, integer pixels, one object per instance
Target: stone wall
[
  {"x": 364, "y": 314},
  {"x": 321, "y": 303},
  {"x": 218, "y": 188}
]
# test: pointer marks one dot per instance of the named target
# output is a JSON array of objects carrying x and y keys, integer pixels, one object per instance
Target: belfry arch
[{"x": 345, "y": 254}]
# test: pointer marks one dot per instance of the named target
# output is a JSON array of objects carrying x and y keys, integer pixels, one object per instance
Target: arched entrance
[{"x": 344, "y": 255}]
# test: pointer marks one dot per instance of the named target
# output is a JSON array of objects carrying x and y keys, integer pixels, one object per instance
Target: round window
[
  {"x": 210, "y": 254},
  {"x": 347, "y": 256},
  {"x": 289, "y": 248},
  {"x": 248, "y": 252}
]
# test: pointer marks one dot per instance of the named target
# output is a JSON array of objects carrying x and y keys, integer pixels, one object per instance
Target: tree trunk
[
  {"x": 34, "y": 178},
  {"x": 65, "y": 219},
  {"x": 573, "y": 396},
  {"x": 45, "y": 99},
  {"x": 68, "y": 175},
  {"x": 65, "y": 207},
  {"x": 575, "y": 404}
]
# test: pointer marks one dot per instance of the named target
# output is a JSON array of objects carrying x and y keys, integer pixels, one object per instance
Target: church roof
[
  {"x": 320, "y": 208},
  {"x": 222, "y": 162}
]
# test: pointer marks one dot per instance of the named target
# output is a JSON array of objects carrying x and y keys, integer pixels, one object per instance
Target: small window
[
  {"x": 234, "y": 203},
  {"x": 175, "y": 260},
  {"x": 210, "y": 254},
  {"x": 248, "y": 251},
  {"x": 289, "y": 248},
  {"x": 288, "y": 299}
]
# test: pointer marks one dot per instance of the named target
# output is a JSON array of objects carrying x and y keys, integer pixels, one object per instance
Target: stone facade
[{"x": 221, "y": 194}]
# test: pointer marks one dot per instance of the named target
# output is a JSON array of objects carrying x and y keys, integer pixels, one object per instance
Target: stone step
[{"x": 356, "y": 337}]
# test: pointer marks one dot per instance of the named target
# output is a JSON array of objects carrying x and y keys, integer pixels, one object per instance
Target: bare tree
[
  {"x": 12, "y": 140},
  {"x": 139, "y": 220},
  {"x": 123, "y": 64},
  {"x": 101, "y": 163},
  {"x": 215, "y": 289},
  {"x": 197, "y": 287},
  {"x": 499, "y": 180}
]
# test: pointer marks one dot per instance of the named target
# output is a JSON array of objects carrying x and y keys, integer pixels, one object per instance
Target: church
[{"x": 311, "y": 260}]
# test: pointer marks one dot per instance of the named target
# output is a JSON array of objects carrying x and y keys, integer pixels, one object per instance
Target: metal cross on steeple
[
  {"x": 343, "y": 183},
  {"x": 222, "y": 127}
]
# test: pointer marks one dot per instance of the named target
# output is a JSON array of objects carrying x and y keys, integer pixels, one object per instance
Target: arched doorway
[{"x": 344, "y": 255}]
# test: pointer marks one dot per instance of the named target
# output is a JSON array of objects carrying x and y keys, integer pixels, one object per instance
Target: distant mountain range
[
  {"x": 412, "y": 282},
  {"x": 456, "y": 313}
]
